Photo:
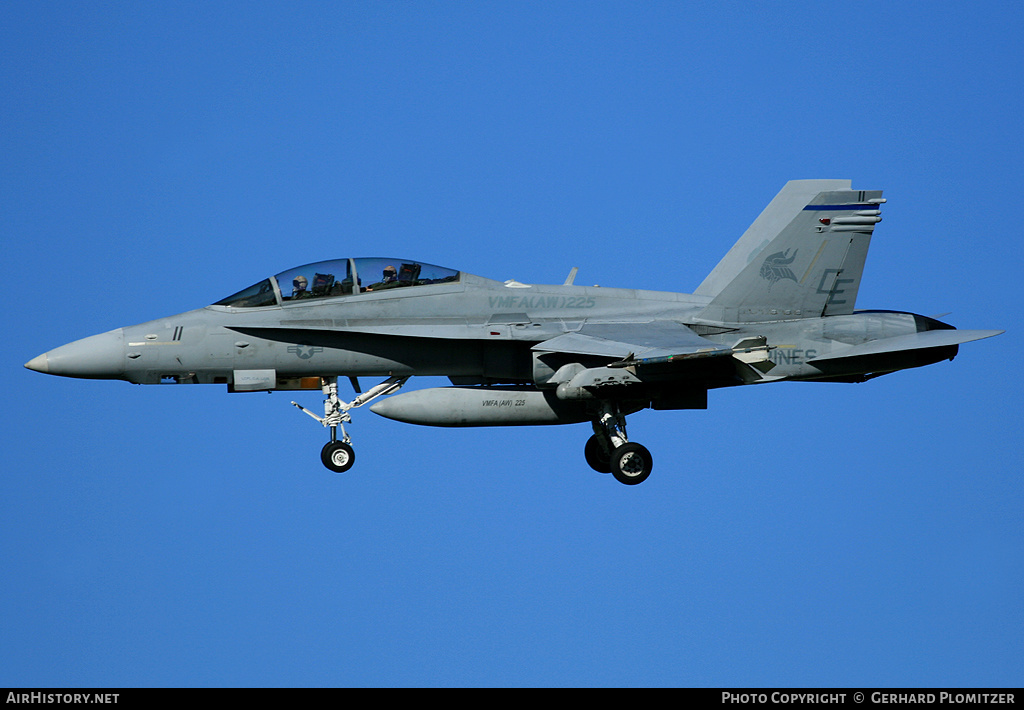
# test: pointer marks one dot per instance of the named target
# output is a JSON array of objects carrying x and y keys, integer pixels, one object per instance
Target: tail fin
[
  {"x": 811, "y": 268},
  {"x": 793, "y": 197}
]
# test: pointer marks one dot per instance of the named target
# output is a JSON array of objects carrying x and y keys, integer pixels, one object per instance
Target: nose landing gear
[{"x": 339, "y": 456}]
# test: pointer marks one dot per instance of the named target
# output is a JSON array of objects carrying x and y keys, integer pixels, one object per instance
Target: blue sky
[{"x": 159, "y": 157}]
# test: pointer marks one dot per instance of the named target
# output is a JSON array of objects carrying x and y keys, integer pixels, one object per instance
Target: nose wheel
[{"x": 338, "y": 455}]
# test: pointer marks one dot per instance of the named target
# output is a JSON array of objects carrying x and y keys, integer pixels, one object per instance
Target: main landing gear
[
  {"x": 609, "y": 451},
  {"x": 337, "y": 455}
]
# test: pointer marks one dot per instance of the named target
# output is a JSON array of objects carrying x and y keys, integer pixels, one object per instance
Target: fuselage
[{"x": 472, "y": 329}]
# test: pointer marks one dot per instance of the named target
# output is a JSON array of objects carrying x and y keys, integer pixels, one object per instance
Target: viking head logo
[{"x": 776, "y": 267}]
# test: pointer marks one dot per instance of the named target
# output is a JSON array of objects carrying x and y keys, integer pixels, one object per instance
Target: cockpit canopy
[{"x": 339, "y": 277}]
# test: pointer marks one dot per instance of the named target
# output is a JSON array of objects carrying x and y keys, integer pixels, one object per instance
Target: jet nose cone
[
  {"x": 96, "y": 357},
  {"x": 38, "y": 363}
]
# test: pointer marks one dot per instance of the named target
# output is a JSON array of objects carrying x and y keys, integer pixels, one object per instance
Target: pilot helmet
[
  {"x": 389, "y": 269},
  {"x": 299, "y": 281}
]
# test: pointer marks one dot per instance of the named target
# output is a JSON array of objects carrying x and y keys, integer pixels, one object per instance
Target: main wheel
[
  {"x": 596, "y": 455},
  {"x": 338, "y": 456},
  {"x": 631, "y": 464}
]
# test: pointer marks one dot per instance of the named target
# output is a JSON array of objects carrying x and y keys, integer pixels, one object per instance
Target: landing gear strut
[
  {"x": 609, "y": 451},
  {"x": 337, "y": 455}
]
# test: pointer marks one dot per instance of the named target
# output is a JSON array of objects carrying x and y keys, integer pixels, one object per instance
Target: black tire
[
  {"x": 594, "y": 452},
  {"x": 631, "y": 464},
  {"x": 337, "y": 456}
]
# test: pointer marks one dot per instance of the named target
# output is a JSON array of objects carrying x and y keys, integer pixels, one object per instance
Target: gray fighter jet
[{"x": 779, "y": 306}]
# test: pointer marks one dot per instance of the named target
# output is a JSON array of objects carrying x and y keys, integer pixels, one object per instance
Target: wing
[
  {"x": 639, "y": 341},
  {"x": 656, "y": 354},
  {"x": 656, "y": 343}
]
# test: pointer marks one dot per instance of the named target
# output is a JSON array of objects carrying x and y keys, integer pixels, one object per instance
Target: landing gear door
[{"x": 254, "y": 380}]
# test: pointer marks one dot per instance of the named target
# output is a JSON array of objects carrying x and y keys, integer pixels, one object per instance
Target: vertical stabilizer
[
  {"x": 811, "y": 268},
  {"x": 792, "y": 198}
]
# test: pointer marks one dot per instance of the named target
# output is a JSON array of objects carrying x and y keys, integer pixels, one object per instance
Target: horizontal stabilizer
[{"x": 913, "y": 341}]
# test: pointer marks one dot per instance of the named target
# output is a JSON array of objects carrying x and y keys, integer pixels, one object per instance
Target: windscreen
[{"x": 260, "y": 294}]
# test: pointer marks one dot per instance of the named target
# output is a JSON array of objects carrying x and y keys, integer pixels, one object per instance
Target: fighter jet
[{"x": 778, "y": 307}]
